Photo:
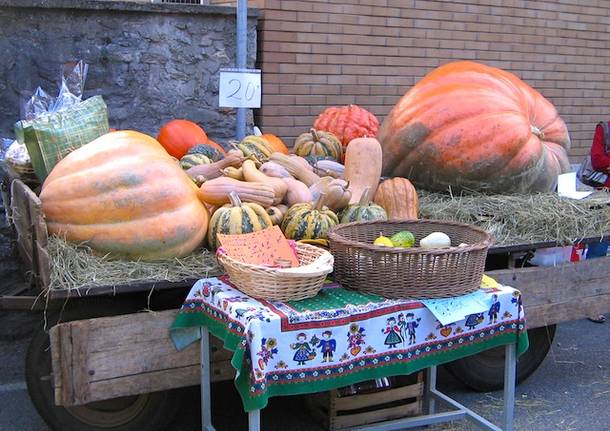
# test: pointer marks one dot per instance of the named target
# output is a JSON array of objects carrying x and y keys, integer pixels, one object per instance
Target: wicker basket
[
  {"x": 412, "y": 272},
  {"x": 281, "y": 284}
]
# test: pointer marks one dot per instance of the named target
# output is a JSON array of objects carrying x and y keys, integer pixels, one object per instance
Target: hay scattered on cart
[
  {"x": 75, "y": 267},
  {"x": 523, "y": 219}
]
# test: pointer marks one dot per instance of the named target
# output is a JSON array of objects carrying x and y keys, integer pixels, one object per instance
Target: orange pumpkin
[
  {"x": 123, "y": 194},
  {"x": 347, "y": 123},
  {"x": 179, "y": 136},
  {"x": 399, "y": 198},
  {"x": 470, "y": 126},
  {"x": 275, "y": 142}
]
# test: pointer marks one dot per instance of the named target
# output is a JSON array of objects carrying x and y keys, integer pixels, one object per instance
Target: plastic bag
[{"x": 70, "y": 93}]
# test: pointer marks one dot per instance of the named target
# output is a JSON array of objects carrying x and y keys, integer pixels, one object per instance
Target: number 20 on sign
[{"x": 239, "y": 88}]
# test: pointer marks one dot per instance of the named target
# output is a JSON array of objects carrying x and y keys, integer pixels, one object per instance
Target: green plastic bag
[{"x": 51, "y": 137}]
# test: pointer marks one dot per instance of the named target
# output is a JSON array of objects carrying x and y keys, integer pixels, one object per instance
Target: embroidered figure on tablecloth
[
  {"x": 444, "y": 330},
  {"x": 393, "y": 331},
  {"x": 268, "y": 349},
  {"x": 402, "y": 324},
  {"x": 472, "y": 320},
  {"x": 494, "y": 309},
  {"x": 412, "y": 324},
  {"x": 355, "y": 338},
  {"x": 328, "y": 346},
  {"x": 304, "y": 352}
]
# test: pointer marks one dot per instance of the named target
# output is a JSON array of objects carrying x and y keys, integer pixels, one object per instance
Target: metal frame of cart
[{"x": 432, "y": 394}]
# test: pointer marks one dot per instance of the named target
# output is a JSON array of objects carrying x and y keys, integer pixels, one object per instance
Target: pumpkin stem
[
  {"x": 365, "y": 199},
  {"x": 314, "y": 133},
  {"x": 234, "y": 198},
  {"x": 234, "y": 144},
  {"x": 537, "y": 132},
  {"x": 319, "y": 203}
]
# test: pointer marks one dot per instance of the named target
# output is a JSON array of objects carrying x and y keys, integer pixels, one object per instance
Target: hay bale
[
  {"x": 77, "y": 266},
  {"x": 523, "y": 219}
]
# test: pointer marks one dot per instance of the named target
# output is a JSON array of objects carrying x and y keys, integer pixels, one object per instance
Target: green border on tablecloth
[{"x": 236, "y": 343}]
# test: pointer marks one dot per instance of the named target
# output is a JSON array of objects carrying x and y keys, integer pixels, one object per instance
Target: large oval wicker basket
[
  {"x": 281, "y": 284},
  {"x": 409, "y": 272}
]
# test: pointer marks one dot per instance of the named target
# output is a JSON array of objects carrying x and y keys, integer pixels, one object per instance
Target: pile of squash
[
  {"x": 306, "y": 191},
  {"x": 131, "y": 196}
]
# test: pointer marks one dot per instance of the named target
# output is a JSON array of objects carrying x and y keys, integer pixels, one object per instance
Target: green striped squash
[
  {"x": 308, "y": 221},
  {"x": 318, "y": 143},
  {"x": 236, "y": 218},
  {"x": 257, "y": 147},
  {"x": 191, "y": 160},
  {"x": 363, "y": 210},
  {"x": 207, "y": 150}
]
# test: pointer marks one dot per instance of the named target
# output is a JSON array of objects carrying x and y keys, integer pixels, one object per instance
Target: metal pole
[
  {"x": 206, "y": 397},
  {"x": 510, "y": 377},
  {"x": 242, "y": 59}
]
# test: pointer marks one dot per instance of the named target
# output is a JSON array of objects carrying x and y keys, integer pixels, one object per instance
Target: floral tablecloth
[{"x": 338, "y": 338}]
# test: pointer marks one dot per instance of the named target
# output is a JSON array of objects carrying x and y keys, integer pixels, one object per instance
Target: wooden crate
[
  {"x": 110, "y": 357},
  {"x": 337, "y": 413}
]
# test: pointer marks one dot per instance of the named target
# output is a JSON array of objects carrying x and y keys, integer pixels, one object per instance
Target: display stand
[{"x": 432, "y": 394}]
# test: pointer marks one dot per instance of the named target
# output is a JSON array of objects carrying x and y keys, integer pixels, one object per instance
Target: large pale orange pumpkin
[
  {"x": 123, "y": 194},
  {"x": 470, "y": 126},
  {"x": 347, "y": 123}
]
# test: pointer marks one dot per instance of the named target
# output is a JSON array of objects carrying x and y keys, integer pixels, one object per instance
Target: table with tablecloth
[{"x": 338, "y": 337}]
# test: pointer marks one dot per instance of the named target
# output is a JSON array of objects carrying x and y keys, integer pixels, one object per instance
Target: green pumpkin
[
  {"x": 256, "y": 147},
  {"x": 191, "y": 160},
  {"x": 236, "y": 218},
  {"x": 308, "y": 221},
  {"x": 207, "y": 150},
  {"x": 363, "y": 210},
  {"x": 318, "y": 143}
]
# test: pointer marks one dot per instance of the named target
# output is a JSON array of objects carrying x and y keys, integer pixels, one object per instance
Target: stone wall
[
  {"x": 151, "y": 62},
  {"x": 318, "y": 53}
]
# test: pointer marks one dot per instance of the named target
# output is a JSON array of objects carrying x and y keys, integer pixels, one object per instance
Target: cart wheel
[
  {"x": 484, "y": 372},
  {"x": 152, "y": 411}
]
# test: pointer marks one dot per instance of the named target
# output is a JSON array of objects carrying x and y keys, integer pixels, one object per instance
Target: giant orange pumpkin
[
  {"x": 123, "y": 194},
  {"x": 179, "y": 136},
  {"x": 472, "y": 126},
  {"x": 347, "y": 123}
]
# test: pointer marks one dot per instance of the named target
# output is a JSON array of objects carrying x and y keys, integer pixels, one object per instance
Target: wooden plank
[
  {"x": 548, "y": 290},
  {"x": 41, "y": 240},
  {"x": 549, "y": 314},
  {"x": 388, "y": 414},
  {"x": 124, "y": 355},
  {"x": 20, "y": 210},
  {"x": 369, "y": 400},
  {"x": 144, "y": 286}
]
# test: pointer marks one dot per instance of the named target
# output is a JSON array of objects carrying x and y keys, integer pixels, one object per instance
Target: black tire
[
  {"x": 484, "y": 372},
  {"x": 152, "y": 411}
]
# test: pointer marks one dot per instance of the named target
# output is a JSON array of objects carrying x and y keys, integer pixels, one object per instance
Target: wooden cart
[{"x": 130, "y": 360}]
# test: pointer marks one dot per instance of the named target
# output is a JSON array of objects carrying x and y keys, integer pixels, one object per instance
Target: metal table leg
[
  {"x": 254, "y": 421},
  {"x": 430, "y": 387},
  {"x": 510, "y": 374},
  {"x": 206, "y": 398}
]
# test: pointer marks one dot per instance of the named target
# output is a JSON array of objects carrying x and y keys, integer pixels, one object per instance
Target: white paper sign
[
  {"x": 449, "y": 310},
  {"x": 566, "y": 187},
  {"x": 239, "y": 88}
]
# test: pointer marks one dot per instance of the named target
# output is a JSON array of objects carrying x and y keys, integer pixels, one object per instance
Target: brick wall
[{"x": 316, "y": 53}]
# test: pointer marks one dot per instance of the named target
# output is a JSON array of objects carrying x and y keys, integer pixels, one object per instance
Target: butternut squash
[
  {"x": 216, "y": 192},
  {"x": 252, "y": 174},
  {"x": 276, "y": 213},
  {"x": 362, "y": 166},
  {"x": 297, "y": 193},
  {"x": 297, "y": 167},
  {"x": 233, "y": 172},
  {"x": 336, "y": 191},
  {"x": 214, "y": 170},
  {"x": 272, "y": 169}
]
